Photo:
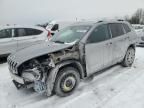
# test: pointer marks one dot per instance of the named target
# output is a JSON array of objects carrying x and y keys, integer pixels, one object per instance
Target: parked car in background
[
  {"x": 13, "y": 38},
  {"x": 140, "y": 33},
  {"x": 74, "y": 53},
  {"x": 138, "y": 27},
  {"x": 141, "y": 42}
]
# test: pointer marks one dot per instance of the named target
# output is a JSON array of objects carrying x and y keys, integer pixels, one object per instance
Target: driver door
[{"x": 98, "y": 50}]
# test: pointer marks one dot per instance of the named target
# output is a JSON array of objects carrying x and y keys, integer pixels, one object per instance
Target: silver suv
[
  {"x": 13, "y": 38},
  {"x": 74, "y": 53}
]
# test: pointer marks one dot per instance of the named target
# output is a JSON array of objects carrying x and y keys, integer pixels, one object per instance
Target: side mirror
[{"x": 55, "y": 27}]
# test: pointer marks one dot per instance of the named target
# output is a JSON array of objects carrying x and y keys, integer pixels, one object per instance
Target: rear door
[
  {"x": 27, "y": 37},
  {"x": 98, "y": 50},
  {"x": 7, "y": 43},
  {"x": 120, "y": 41}
]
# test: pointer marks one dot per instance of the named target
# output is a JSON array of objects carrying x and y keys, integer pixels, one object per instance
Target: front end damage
[{"x": 36, "y": 72}]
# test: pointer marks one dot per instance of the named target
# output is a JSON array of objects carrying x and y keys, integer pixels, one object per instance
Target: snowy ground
[{"x": 116, "y": 87}]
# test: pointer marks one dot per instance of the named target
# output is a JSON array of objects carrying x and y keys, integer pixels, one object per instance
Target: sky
[{"x": 41, "y": 11}]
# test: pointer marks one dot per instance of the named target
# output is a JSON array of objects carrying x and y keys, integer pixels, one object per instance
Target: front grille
[{"x": 12, "y": 66}]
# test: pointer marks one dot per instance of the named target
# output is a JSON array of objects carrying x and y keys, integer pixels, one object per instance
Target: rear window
[
  {"x": 116, "y": 29},
  {"x": 126, "y": 27},
  {"x": 19, "y": 32}
]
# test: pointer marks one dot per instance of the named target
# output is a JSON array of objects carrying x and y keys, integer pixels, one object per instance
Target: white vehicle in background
[
  {"x": 139, "y": 29},
  {"x": 13, "y": 38},
  {"x": 140, "y": 33}
]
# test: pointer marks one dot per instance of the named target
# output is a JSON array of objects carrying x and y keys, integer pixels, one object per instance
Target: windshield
[{"x": 70, "y": 34}]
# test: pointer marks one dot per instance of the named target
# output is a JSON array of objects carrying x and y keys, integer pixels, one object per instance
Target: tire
[
  {"x": 66, "y": 82},
  {"x": 129, "y": 57}
]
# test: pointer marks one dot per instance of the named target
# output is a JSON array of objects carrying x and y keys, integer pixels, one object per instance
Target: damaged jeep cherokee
[{"x": 74, "y": 53}]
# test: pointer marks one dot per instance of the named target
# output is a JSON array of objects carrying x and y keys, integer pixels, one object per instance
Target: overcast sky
[{"x": 40, "y": 11}]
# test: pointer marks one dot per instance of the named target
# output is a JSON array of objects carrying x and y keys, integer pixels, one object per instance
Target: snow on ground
[{"x": 116, "y": 87}]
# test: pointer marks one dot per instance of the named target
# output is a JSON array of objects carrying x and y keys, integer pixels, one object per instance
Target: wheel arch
[
  {"x": 54, "y": 72},
  {"x": 129, "y": 46},
  {"x": 132, "y": 46}
]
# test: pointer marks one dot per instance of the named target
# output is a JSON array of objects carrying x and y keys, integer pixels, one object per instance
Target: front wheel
[
  {"x": 129, "y": 57},
  {"x": 66, "y": 82}
]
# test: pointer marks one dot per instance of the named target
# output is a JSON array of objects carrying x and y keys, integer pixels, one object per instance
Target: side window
[
  {"x": 21, "y": 32},
  {"x": 101, "y": 33},
  {"x": 6, "y": 33},
  {"x": 116, "y": 29},
  {"x": 126, "y": 27},
  {"x": 31, "y": 31}
]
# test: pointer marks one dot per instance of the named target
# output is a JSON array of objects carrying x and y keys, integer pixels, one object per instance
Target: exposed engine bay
[{"x": 35, "y": 71}]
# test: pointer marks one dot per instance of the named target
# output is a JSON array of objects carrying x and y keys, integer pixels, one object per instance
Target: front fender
[{"x": 53, "y": 74}]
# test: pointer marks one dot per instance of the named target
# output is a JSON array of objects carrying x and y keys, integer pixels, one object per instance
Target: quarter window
[
  {"x": 101, "y": 33},
  {"x": 6, "y": 33},
  {"x": 116, "y": 30},
  {"x": 126, "y": 27}
]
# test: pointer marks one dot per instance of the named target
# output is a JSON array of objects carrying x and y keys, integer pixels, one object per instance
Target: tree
[{"x": 137, "y": 17}]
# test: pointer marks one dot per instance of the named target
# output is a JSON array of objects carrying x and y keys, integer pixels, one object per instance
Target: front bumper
[
  {"x": 19, "y": 82},
  {"x": 38, "y": 86},
  {"x": 17, "y": 78}
]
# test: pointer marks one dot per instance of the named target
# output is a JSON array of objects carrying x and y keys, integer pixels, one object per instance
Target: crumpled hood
[{"x": 36, "y": 51}]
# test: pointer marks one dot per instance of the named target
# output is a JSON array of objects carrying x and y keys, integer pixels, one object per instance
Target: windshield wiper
[{"x": 59, "y": 42}]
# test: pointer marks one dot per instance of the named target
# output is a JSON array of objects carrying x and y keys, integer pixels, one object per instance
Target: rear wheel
[
  {"x": 129, "y": 57},
  {"x": 66, "y": 82}
]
